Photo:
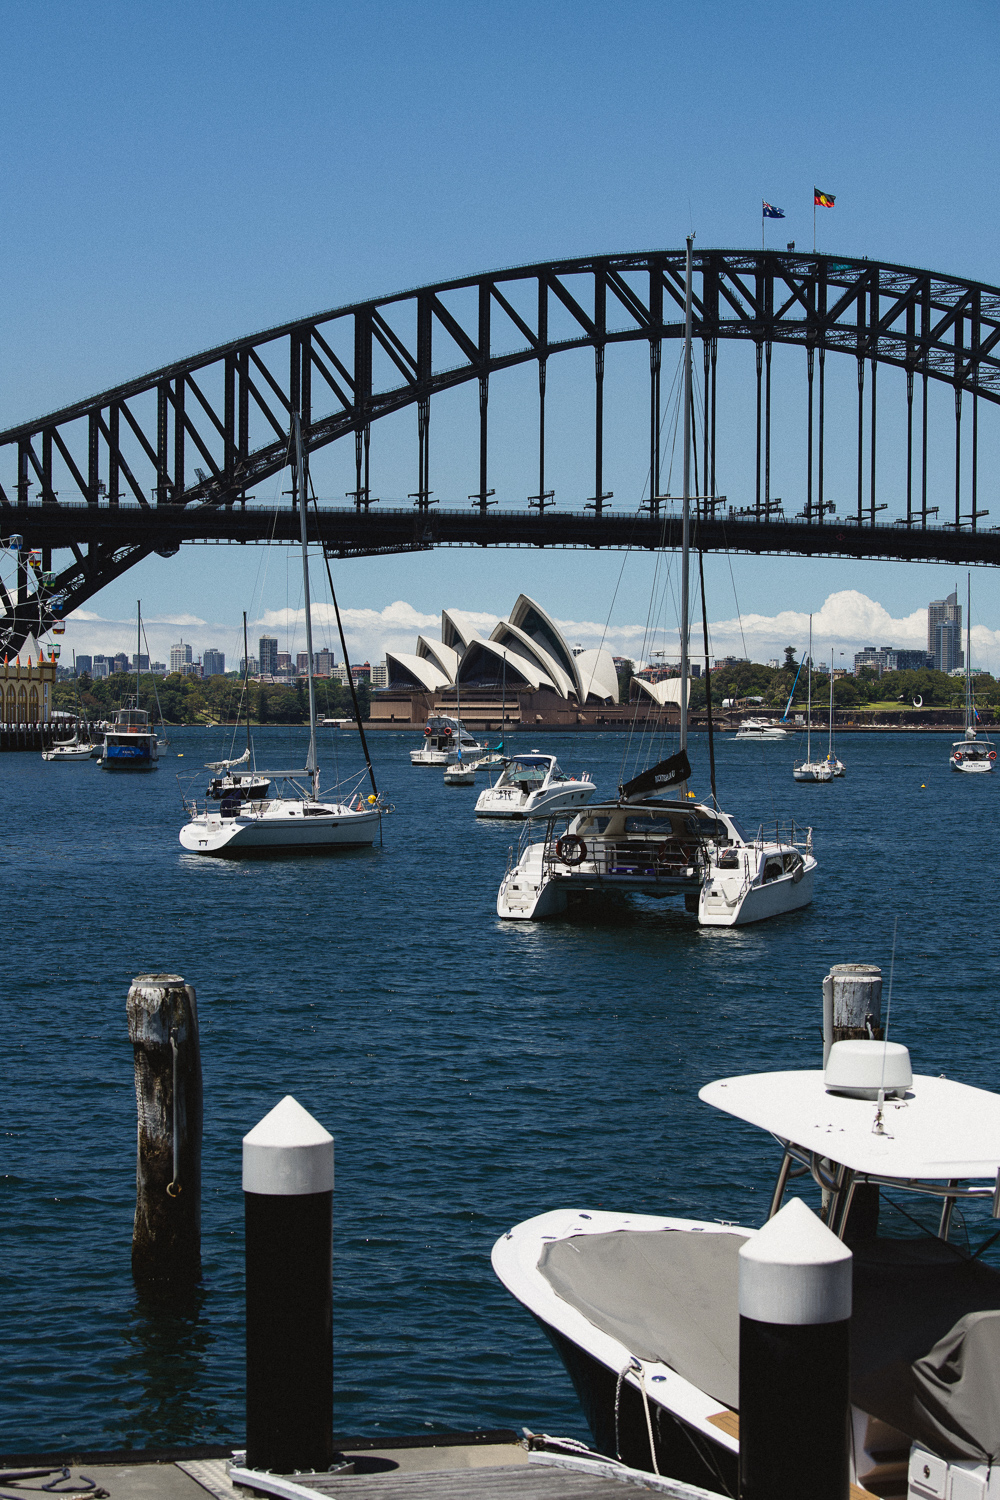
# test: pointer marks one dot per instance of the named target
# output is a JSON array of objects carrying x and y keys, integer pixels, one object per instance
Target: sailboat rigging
[
  {"x": 808, "y": 769},
  {"x": 655, "y": 839},
  {"x": 131, "y": 744},
  {"x": 229, "y": 784},
  {"x": 971, "y": 754},
  {"x": 297, "y": 822}
]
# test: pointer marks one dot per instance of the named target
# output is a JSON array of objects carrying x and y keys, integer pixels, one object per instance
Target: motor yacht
[
  {"x": 443, "y": 735},
  {"x": 532, "y": 786},
  {"x": 761, "y": 729},
  {"x": 643, "y": 1309}
]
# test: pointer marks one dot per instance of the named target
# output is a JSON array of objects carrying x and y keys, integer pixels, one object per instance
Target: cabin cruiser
[
  {"x": 643, "y": 1309},
  {"x": 761, "y": 729},
  {"x": 130, "y": 743},
  {"x": 646, "y": 845},
  {"x": 442, "y": 737},
  {"x": 531, "y": 786}
]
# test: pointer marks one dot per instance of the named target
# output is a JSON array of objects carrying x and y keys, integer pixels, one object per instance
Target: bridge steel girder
[
  {"x": 349, "y": 533},
  {"x": 225, "y": 413}
]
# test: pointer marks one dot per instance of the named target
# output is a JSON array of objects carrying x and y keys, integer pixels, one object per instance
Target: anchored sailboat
[
  {"x": 809, "y": 769},
  {"x": 297, "y": 821},
  {"x": 971, "y": 754}
]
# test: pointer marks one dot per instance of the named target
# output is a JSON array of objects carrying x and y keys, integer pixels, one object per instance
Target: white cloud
[{"x": 847, "y": 620}]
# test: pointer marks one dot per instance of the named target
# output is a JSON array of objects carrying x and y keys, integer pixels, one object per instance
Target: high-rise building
[
  {"x": 140, "y": 663},
  {"x": 302, "y": 663},
  {"x": 213, "y": 662},
  {"x": 84, "y": 664},
  {"x": 180, "y": 657},
  {"x": 100, "y": 668},
  {"x": 907, "y": 661},
  {"x": 284, "y": 661},
  {"x": 119, "y": 662},
  {"x": 249, "y": 666},
  {"x": 944, "y": 633},
  {"x": 267, "y": 655},
  {"x": 326, "y": 663},
  {"x": 380, "y": 675}
]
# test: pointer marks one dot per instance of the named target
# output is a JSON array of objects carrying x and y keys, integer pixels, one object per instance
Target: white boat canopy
[{"x": 941, "y": 1129}]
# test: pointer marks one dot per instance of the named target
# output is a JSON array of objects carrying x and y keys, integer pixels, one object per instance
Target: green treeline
[
  {"x": 866, "y": 690},
  {"x": 190, "y": 700}
]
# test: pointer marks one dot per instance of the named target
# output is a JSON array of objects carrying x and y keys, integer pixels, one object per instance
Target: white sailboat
[
  {"x": 296, "y": 822},
  {"x": 971, "y": 754},
  {"x": 832, "y": 759},
  {"x": 459, "y": 772},
  {"x": 644, "y": 844},
  {"x": 808, "y": 769}
]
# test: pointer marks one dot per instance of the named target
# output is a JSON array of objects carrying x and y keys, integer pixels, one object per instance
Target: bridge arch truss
[{"x": 171, "y": 455}]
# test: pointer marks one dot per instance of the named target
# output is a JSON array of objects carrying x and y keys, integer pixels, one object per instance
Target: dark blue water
[{"x": 473, "y": 1072}]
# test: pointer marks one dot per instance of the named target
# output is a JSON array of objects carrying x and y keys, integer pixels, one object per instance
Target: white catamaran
[
  {"x": 296, "y": 822},
  {"x": 641, "y": 843}
]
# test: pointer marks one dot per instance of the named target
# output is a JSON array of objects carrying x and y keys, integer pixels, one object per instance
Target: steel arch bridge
[{"x": 169, "y": 457}]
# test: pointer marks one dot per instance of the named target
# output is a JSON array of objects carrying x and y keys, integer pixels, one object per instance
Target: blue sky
[{"x": 175, "y": 175}]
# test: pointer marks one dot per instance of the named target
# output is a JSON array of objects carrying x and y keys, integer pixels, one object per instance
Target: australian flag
[{"x": 770, "y": 212}]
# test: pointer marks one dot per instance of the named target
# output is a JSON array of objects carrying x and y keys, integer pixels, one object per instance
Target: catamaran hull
[
  {"x": 758, "y": 903},
  {"x": 235, "y": 838}
]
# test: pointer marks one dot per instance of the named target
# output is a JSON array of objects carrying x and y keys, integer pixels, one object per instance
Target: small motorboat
[
  {"x": 460, "y": 773},
  {"x": 532, "y": 786},
  {"x": 643, "y": 1310}
]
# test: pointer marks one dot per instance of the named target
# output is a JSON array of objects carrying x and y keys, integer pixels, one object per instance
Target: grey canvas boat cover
[
  {"x": 667, "y": 1295},
  {"x": 925, "y": 1330}
]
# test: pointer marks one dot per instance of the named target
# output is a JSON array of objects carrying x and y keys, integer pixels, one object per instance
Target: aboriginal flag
[{"x": 823, "y": 200}]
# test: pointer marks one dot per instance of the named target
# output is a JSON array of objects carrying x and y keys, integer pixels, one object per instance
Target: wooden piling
[
  {"x": 163, "y": 1029},
  {"x": 852, "y": 1004}
]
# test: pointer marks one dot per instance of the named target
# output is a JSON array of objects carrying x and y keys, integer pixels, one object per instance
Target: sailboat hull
[{"x": 280, "y": 827}]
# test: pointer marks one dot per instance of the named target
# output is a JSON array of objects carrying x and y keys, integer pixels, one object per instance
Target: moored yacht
[
  {"x": 643, "y": 1308},
  {"x": 809, "y": 769},
  {"x": 532, "y": 786},
  {"x": 971, "y": 754},
  {"x": 651, "y": 846},
  {"x": 761, "y": 729},
  {"x": 298, "y": 821},
  {"x": 443, "y": 735}
]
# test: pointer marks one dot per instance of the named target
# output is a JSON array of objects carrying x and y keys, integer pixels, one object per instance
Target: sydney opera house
[{"x": 523, "y": 672}]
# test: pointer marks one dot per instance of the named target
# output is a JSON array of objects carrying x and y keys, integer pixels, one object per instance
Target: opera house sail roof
[{"x": 526, "y": 652}]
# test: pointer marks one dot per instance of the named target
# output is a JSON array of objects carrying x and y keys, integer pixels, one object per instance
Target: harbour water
[{"x": 473, "y": 1072}]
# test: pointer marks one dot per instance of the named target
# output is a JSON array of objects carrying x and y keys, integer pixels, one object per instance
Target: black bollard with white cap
[
  {"x": 288, "y": 1196},
  {"x": 795, "y": 1309}
]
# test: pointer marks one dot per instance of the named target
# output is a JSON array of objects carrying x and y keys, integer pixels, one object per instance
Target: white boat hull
[
  {"x": 67, "y": 753},
  {"x": 971, "y": 767},
  {"x": 456, "y": 776},
  {"x": 818, "y": 771},
  {"x": 508, "y": 802},
  {"x": 722, "y": 905},
  {"x": 278, "y": 827}
]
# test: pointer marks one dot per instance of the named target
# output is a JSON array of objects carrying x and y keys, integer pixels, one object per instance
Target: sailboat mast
[
  {"x": 300, "y": 485},
  {"x": 686, "y": 501},
  {"x": 829, "y": 748},
  {"x": 246, "y": 679},
  {"x": 809, "y": 698},
  {"x": 968, "y": 650},
  {"x": 138, "y": 647}
]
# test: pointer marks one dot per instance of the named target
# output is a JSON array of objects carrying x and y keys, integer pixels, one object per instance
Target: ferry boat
[
  {"x": 130, "y": 743},
  {"x": 643, "y": 1310}
]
